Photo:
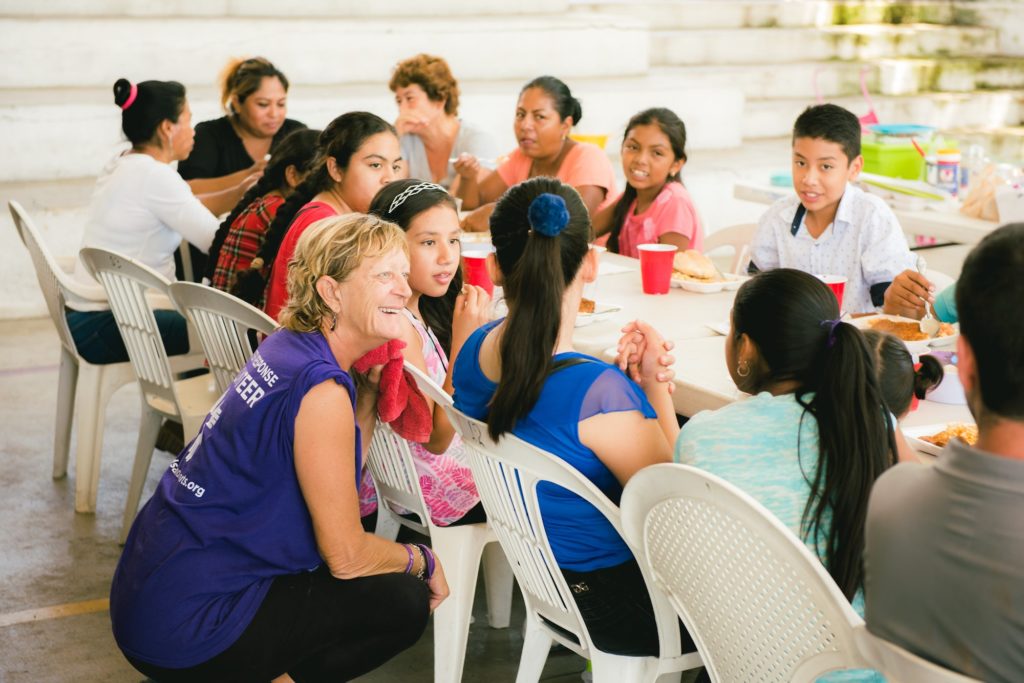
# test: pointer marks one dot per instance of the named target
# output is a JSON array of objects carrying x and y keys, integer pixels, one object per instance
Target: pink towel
[{"x": 400, "y": 402}]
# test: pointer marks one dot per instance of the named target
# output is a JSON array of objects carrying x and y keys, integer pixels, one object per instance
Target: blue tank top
[
  {"x": 580, "y": 536},
  {"x": 227, "y": 517}
]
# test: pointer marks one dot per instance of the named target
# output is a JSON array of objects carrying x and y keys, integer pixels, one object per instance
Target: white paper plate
[
  {"x": 733, "y": 282},
  {"x": 915, "y": 347},
  {"x": 696, "y": 286},
  {"x": 601, "y": 311},
  {"x": 913, "y": 436}
]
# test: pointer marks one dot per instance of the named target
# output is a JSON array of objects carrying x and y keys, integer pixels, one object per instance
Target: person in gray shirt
[{"x": 944, "y": 557}]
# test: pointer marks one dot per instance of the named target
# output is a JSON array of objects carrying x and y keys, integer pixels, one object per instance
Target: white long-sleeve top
[{"x": 142, "y": 208}]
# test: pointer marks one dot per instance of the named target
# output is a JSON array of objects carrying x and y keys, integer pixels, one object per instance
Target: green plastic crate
[{"x": 893, "y": 159}]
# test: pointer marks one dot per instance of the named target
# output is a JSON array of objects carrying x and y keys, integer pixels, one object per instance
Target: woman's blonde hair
[
  {"x": 242, "y": 77},
  {"x": 333, "y": 247}
]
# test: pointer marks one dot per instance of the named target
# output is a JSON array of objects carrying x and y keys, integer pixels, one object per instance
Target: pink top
[
  {"x": 585, "y": 164},
  {"x": 671, "y": 211},
  {"x": 446, "y": 480}
]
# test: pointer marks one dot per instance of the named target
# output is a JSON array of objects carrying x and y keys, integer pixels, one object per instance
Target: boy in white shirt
[{"x": 831, "y": 227}]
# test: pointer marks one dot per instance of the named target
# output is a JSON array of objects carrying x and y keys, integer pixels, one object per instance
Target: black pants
[
  {"x": 617, "y": 610},
  {"x": 98, "y": 338},
  {"x": 315, "y": 627}
]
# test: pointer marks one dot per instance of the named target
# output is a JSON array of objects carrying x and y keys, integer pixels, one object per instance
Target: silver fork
[{"x": 928, "y": 325}]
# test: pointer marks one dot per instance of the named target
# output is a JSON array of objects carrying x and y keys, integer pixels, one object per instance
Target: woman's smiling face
[{"x": 373, "y": 296}]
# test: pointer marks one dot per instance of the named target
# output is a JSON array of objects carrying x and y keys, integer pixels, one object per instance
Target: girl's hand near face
[{"x": 472, "y": 311}]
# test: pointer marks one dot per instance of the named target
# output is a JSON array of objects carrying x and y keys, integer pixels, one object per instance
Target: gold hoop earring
[{"x": 743, "y": 368}]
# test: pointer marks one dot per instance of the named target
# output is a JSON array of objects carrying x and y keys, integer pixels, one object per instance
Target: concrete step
[
  {"x": 695, "y": 14},
  {"x": 769, "y": 118},
  {"x": 838, "y": 78},
  {"x": 784, "y": 45},
  {"x": 384, "y": 9},
  {"x": 78, "y": 53}
]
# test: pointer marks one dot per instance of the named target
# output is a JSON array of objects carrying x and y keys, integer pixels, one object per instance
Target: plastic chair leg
[
  {"x": 65, "y": 412},
  {"x": 91, "y": 411},
  {"x": 149, "y": 425},
  {"x": 387, "y": 526},
  {"x": 459, "y": 549},
  {"x": 498, "y": 582},
  {"x": 536, "y": 646}
]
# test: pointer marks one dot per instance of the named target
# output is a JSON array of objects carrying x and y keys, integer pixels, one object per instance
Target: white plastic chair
[
  {"x": 460, "y": 548},
  {"x": 223, "y": 323},
  {"x": 84, "y": 389},
  {"x": 739, "y": 238},
  {"x": 186, "y": 401},
  {"x": 900, "y": 666},
  {"x": 758, "y": 604},
  {"x": 507, "y": 474}
]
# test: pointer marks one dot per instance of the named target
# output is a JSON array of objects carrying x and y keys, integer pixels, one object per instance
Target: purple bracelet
[
  {"x": 408, "y": 549},
  {"x": 428, "y": 557}
]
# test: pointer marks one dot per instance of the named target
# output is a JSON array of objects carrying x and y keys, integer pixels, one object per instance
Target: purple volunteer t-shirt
[{"x": 227, "y": 517}]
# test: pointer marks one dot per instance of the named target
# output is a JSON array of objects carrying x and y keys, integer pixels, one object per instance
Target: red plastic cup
[
  {"x": 656, "y": 267},
  {"x": 474, "y": 268},
  {"x": 837, "y": 283}
]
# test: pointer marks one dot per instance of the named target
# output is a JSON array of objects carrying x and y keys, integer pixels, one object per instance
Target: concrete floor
[{"x": 55, "y": 565}]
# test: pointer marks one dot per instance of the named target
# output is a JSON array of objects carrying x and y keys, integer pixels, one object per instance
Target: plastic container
[
  {"x": 893, "y": 157},
  {"x": 947, "y": 171}
]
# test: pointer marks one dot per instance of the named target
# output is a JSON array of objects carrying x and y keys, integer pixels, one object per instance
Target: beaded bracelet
[
  {"x": 408, "y": 549},
  {"x": 428, "y": 558}
]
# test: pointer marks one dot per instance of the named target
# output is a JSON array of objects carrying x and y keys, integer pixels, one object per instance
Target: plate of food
[
  {"x": 909, "y": 331},
  {"x": 592, "y": 311},
  {"x": 932, "y": 439},
  {"x": 694, "y": 272}
]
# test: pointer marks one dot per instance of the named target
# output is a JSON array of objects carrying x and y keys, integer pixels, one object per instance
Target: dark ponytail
[
  {"x": 537, "y": 268},
  {"x": 791, "y": 317},
  {"x": 675, "y": 130},
  {"x": 898, "y": 381},
  {"x": 565, "y": 104},
  {"x": 145, "y": 105},
  {"x": 295, "y": 150},
  {"x": 438, "y": 311},
  {"x": 339, "y": 140}
]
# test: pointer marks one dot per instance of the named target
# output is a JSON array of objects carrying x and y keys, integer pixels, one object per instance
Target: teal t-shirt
[{"x": 767, "y": 446}]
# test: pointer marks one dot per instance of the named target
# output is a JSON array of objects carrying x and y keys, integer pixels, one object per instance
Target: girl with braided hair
[{"x": 242, "y": 233}]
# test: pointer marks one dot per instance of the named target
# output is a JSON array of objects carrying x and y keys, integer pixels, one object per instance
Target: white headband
[{"x": 413, "y": 190}]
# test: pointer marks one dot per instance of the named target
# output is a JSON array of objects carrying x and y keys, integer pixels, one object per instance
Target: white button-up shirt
[{"x": 864, "y": 243}]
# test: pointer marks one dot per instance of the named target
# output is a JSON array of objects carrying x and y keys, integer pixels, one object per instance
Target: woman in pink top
[
  {"x": 655, "y": 206},
  {"x": 357, "y": 154},
  {"x": 440, "y": 315},
  {"x": 545, "y": 114}
]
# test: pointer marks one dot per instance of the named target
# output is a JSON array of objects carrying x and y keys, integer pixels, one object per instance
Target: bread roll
[{"x": 695, "y": 264}]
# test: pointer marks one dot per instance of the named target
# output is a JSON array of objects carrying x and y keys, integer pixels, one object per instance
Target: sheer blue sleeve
[{"x": 613, "y": 392}]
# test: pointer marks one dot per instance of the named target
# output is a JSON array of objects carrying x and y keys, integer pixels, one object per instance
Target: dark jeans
[
  {"x": 474, "y": 515},
  {"x": 99, "y": 341},
  {"x": 617, "y": 610},
  {"x": 317, "y": 628}
]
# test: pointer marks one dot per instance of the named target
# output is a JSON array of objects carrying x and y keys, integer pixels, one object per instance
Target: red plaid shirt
[{"x": 244, "y": 240}]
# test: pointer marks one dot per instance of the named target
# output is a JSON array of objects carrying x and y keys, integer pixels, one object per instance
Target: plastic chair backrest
[
  {"x": 507, "y": 474},
  {"x": 126, "y": 282},
  {"x": 901, "y": 666},
  {"x": 758, "y": 604},
  {"x": 394, "y": 476},
  {"x": 738, "y": 237},
  {"x": 223, "y": 323},
  {"x": 428, "y": 386},
  {"x": 52, "y": 280}
]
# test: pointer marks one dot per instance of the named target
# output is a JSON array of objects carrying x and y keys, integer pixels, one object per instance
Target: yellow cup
[{"x": 599, "y": 140}]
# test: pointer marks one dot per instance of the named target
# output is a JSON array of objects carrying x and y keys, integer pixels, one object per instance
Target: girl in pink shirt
[
  {"x": 545, "y": 114},
  {"x": 655, "y": 206}
]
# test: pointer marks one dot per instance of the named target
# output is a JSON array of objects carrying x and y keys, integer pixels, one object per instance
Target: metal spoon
[{"x": 928, "y": 325}]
